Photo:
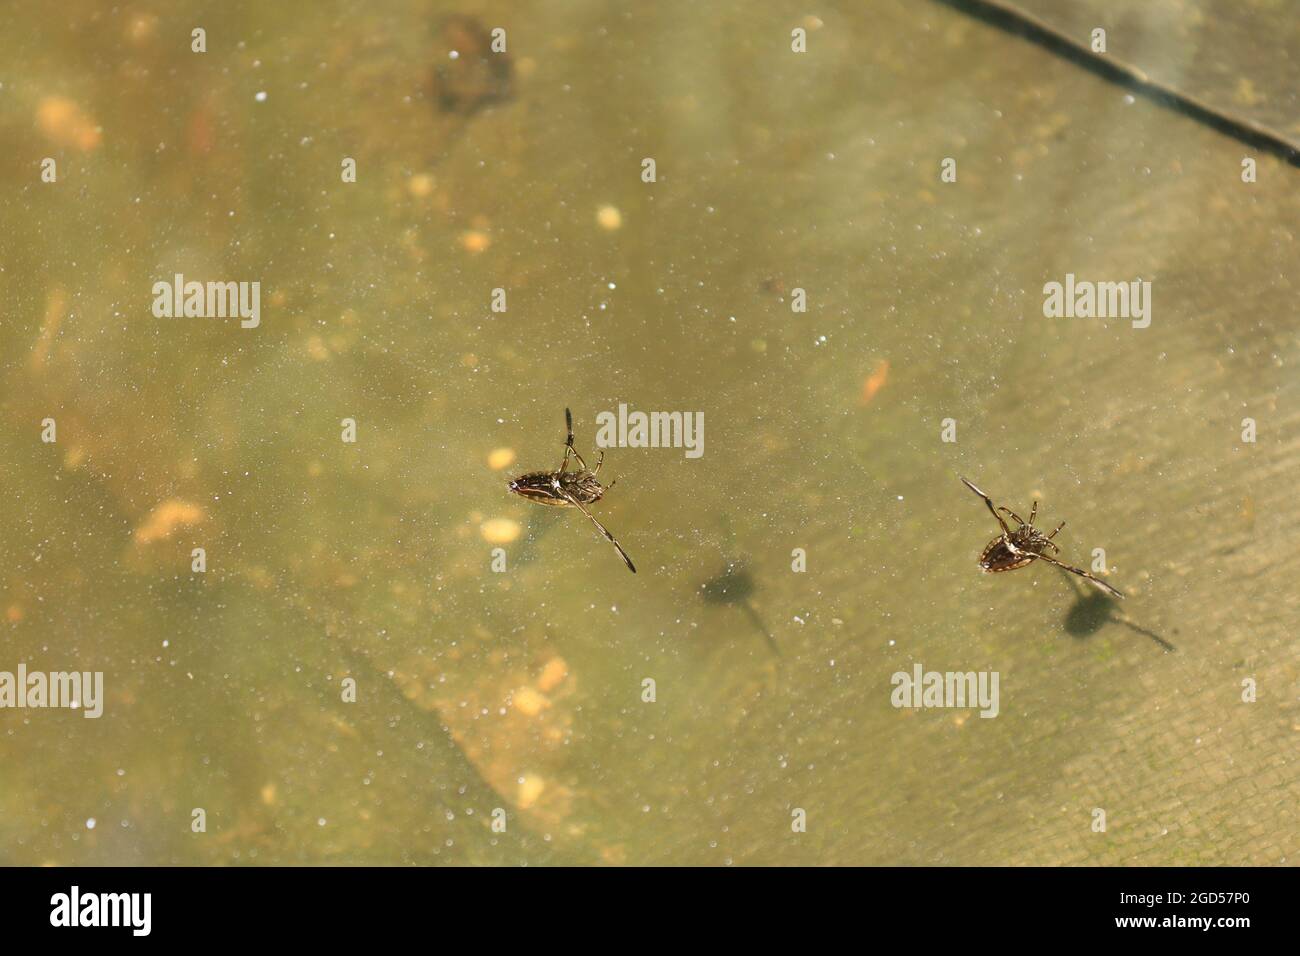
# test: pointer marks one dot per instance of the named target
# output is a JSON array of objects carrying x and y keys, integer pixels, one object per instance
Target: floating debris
[
  {"x": 165, "y": 519},
  {"x": 468, "y": 74},
  {"x": 609, "y": 218},
  {"x": 67, "y": 124},
  {"x": 475, "y": 241},
  {"x": 500, "y": 530},
  {"x": 501, "y": 458},
  {"x": 875, "y": 382}
]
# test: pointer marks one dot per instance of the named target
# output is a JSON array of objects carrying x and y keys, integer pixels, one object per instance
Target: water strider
[
  {"x": 1016, "y": 548},
  {"x": 563, "y": 488}
]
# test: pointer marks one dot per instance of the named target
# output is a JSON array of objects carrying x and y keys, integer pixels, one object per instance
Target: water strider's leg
[
  {"x": 988, "y": 501},
  {"x": 1083, "y": 574},
  {"x": 603, "y": 530}
]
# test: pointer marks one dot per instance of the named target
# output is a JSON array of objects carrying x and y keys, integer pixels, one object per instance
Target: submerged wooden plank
[{"x": 1230, "y": 65}]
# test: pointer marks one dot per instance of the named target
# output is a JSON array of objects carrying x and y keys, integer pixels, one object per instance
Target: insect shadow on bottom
[
  {"x": 733, "y": 588},
  {"x": 569, "y": 489},
  {"x": 1093, "y": 610}
]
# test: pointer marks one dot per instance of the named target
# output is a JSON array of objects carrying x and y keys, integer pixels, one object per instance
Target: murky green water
[{"x": 523, "y": 690}]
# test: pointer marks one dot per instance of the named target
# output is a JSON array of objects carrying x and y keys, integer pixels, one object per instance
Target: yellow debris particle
[
  {"x": 615, "y": 855},
  {"x": 317, "y": 349},
  {"x": 500, "y": 530},
  {"x": 268, "y": 794},
  {"x": 142, "y": 28},
  {"x": 14, "y": 613},
  {"x": 609, "y": 218},
  {"x": 475, "y": 241},
  {"x": 166, "y": 518},
  {"x": 420, "y": 185},
  {"x": 527, "y": 701},
  {"x": 530, "y": 788},
  {"x": 552, "y": 675},
  {"x": 500, "y": 458},
  {"x": 67, "y": 124}
]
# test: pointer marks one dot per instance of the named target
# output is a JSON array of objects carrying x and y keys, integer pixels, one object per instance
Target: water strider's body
[
  {"x": 569, "y": 489},
  {"x": 556, "y": 488},
  {"x": 1024, "y": 544}
]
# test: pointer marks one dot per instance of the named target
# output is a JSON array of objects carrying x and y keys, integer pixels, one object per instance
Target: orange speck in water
[
  {"x": 500, "y": 458},
  {"x": 201, "y": 130},
  {"x": 67, "y": 124},
  {"x": 552, "y": 675},
  {"x": 166, "y": 518},
  {"x": 875, "y": 382},
  {"x": 475, "y": 241},
  {"x": 420, "y": 185}
]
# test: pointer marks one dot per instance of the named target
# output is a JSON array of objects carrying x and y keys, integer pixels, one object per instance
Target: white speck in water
[
  {"x": 320, "y": 822},
  {"x": 90, "y": 824},
  {"x": 260, "y": 96},
  {"x": 453, "y": 54}
]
